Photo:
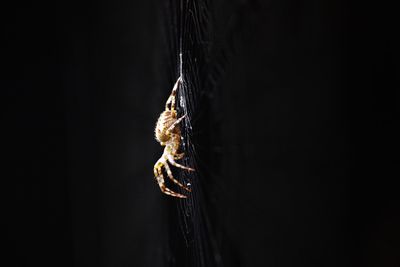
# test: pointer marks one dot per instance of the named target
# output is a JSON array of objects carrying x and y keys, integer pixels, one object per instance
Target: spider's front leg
[{"x": 172, "y": 98}]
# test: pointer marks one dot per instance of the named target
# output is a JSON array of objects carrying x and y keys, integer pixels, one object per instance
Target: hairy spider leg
[
  {"x": 160, "y": 180},
  {"x": 171, "y": 98},
  {"x": 168, "y": 169},
  {"x": 179, "y": 155},
  {"x": 172, "y": 127},
  {"x": 173, "y": 162}
]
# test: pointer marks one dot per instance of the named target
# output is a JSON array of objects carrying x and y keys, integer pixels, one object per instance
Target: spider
[{"x": 168, "y": 134}]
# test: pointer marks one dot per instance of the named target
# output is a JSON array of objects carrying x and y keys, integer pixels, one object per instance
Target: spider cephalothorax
[{"x": 168, "y": 133}]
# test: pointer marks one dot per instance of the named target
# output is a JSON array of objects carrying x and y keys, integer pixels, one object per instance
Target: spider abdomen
[{"x": 164, "y": 122}]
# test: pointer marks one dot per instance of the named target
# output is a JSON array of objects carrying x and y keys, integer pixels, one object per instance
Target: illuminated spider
[{"x": 168, "y": 133}]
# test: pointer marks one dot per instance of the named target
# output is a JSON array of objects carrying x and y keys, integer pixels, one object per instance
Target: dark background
[{"x": 307, "y": 140}]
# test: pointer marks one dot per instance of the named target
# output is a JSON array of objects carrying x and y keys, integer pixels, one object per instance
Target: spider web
[
  {"x": 199, "y": 53},
  {"x": 191, "y": 241}
]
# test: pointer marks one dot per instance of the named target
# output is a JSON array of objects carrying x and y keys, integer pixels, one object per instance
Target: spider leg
[
  {"x": 172, "y": 97},
  {"x": 179, "y": 155},
  {"x": 171, "y": 128},
  {"x": 160, "y": 180},
  {"x": 173, "y": 162},
  {"x": 173, "y": 179}
]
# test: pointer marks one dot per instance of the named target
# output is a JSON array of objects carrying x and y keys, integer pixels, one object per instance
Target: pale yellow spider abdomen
[{"x": 164, "y": 122}]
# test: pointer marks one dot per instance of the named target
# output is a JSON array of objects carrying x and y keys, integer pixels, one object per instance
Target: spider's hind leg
[
  {"x": 179, "y": 155},
  {"x": 161, "y": 183},
  {"x": 174, "y": 163},
  {"x": 173, "y": 179},
  {"x": 172, "y": 127}
]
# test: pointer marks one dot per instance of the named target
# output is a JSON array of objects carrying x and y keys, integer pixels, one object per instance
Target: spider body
[{"x": 168, "y": 134}]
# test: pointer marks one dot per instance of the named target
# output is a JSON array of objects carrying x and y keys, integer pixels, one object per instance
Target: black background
[{"x": 308, "y": 133}]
